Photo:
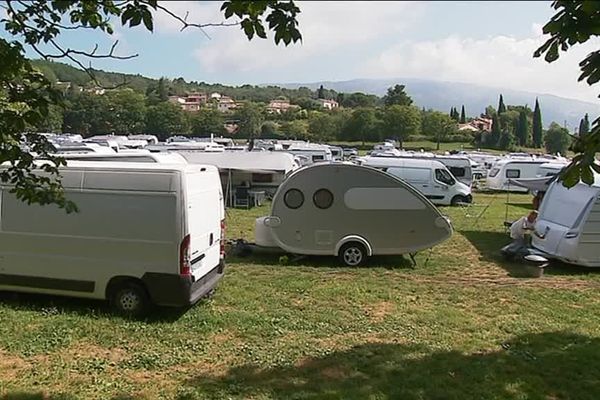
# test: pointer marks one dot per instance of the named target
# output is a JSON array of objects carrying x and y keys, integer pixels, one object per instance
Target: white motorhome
[
  {"x": 144, "y": 233},
  {"x": 513, "y": 168},
  {"x": 337, "y": 153},
  {"x": 81, "y": 148},
  {"x": 568, "y": 225},
  {"x": 430, "y": 177},
  {"x": 352, "y": 212},
  {"x": 138, "y": 156}
]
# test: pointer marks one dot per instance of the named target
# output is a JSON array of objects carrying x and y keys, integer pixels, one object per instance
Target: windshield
[{"x": 444, "y": 176}]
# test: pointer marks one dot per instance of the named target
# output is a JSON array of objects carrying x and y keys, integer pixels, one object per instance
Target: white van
[
  {"x": 144, "y": 233},
  {"x": 430, "y": 177}
]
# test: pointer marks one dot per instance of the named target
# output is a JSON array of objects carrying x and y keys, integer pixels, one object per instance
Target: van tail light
[
  {"x": 222, "y": 243},
  {"x": 185, "y": 256}
]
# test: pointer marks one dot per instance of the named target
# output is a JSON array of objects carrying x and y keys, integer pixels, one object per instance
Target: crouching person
[{"x": 519, "y": 233}]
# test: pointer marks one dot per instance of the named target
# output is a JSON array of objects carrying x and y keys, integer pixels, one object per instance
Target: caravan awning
[{"x": 534, "y": 184}]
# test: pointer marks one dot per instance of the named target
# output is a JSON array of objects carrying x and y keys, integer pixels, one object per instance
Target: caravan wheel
[{"x": 353, "y": 254}]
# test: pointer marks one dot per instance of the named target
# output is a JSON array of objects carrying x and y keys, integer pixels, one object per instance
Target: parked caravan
[
  {"x": 550, "y": 169},
  {"x": 568, "y": 224},
  {"x": 262, "y": 171},
  {"x": 430, "y": 177},
  {"x": 352, "y": 212},
  {"x": 144, "y": 233},
  {"x": 337, "y": 153},
  {"x": 511, "y": 168},
  {"x": 314, "y": 152}
]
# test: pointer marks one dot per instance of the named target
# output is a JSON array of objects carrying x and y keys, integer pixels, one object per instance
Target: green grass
[{"x": 463, "y": 324}]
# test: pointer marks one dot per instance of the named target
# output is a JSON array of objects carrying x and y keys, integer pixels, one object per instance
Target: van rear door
[{"x": 205, "y": 211}]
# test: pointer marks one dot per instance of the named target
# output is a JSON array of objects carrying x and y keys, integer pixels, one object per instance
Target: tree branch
[{"x": 186, "y": 24}]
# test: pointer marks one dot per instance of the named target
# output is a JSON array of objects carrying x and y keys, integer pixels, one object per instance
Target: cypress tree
[
  {"x": 463, "y": 118},
  {"x": 321, "y": 92},
  {"x": 523, "y": 129},
  {"x": 501, "y": 106},
  {"x": 495, "y": 133},
  {"x": 584, "y": 126},
  {"x": 537, "y": 125}
]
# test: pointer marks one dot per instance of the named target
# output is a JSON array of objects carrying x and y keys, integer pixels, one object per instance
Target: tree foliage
[
  {"x": 250, "y": 120},
  {"x": 401, "y": 121},
  {"x": 575, "y": 22},
  {"x": 584, "y": 126},
  {"x": 463, "y": 117},
  {"x": 522, "y": 131},
  {"x": 166, "y": 119},
  {"x": 557, "y": 139},
  {"x": 537, "y": 129},
  {"x": 437, "y": 125},
  {"x": 501, "y": 106},
  {"x": 396, "y": 95}
]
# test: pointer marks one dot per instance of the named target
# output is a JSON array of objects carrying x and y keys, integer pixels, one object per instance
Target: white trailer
[
  {"x": 510, "y": 168},
  {"x": 352, "y": 212},
  {"x": 568, "y": 225},
  {"x": 144, "y": 233}
]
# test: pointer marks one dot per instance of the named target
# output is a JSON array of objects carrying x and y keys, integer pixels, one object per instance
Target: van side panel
[{"x": 115, "y": 233}]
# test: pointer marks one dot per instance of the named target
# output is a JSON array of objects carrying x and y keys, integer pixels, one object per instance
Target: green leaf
[
  {"x": 587, "y": 176},
  {"x": 147, "y": 18}
]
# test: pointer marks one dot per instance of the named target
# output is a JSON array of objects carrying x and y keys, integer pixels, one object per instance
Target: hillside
[
  {"x": 56, "y": 71},
  {"x": 433, "y": 94},
  {"x": 441, "y": 96}
]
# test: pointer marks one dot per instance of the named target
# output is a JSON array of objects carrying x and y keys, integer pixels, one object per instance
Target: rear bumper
[{"x": 179, "y": 291}]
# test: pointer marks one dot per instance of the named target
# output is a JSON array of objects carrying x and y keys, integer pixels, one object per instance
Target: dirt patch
[
  {"x": 378, "y": 311},
  {"x": 85, "y": 350},
  {"x": 11, "y": 366},
  {"x": 334, "y": 372}
]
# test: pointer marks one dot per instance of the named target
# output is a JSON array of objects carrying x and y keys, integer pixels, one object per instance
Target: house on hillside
[
  {"x": 477, "y": 124},
  {"x": 279, "y": 106},
  {"x": 192, "y": 102},
  {"x": 328, "y": 104},
  {"x": 226, "y": 103}
]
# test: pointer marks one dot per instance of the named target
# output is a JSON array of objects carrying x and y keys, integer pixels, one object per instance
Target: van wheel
[
  {"x": 130, "y": 300},
  {"x": 457, "y": 199},
  {"x": 353, "y": 254}
]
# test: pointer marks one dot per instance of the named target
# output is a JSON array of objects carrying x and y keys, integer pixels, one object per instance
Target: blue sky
[{"x": 488, "y": 43}]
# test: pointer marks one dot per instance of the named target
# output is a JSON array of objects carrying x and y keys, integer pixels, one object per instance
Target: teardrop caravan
[{"x": 352, "y": 212}]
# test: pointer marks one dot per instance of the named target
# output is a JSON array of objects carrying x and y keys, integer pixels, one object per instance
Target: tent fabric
[{"x": 533, "y": 184}]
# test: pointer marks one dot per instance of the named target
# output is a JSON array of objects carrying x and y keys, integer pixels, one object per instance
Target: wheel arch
[
  {"x": 354, "y": 238},
  {"x": 117, "y": 281}
]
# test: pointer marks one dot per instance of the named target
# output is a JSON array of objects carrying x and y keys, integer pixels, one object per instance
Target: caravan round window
[
  {"x": 293, "y": 198},
  {"x": 323, "y": 198}
]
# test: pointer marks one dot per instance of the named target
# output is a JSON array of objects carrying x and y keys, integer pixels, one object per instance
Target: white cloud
[
  {"x": 500, "y": 61},
  {"x": 326, "y": 27}
]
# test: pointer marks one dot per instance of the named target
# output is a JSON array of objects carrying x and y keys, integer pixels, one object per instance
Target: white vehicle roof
[
  {"x": 263, "y": 161},
  {"x": 142, "y": 155},
  {"x": 401, "y": 162}
]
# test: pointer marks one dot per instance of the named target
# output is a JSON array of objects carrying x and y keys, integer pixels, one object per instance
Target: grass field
[{"x": 462, "y": 324}]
